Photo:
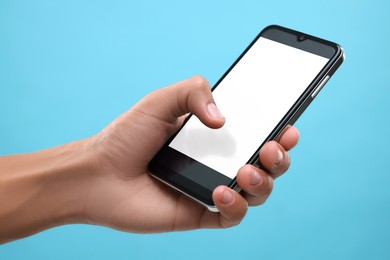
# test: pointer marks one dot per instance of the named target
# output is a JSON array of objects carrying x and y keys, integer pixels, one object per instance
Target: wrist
[
  {"x": 69, "y": 183},
  {"x": 44, "y": 189}
]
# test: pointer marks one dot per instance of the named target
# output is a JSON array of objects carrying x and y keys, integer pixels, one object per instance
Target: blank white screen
[{"x": 253, "y": 97}]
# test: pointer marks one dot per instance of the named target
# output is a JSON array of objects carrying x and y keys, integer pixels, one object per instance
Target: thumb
[{"x": 192, "y": 95}]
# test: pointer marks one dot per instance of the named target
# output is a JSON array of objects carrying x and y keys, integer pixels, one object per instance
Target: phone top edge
[
  {"x": 334, "y": 53},
  {"x": 303, "y": 41},
  {"x": 296, "y": 32}
]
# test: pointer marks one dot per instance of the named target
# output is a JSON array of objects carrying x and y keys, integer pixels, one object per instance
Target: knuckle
[{"x": 200, "y": 82}]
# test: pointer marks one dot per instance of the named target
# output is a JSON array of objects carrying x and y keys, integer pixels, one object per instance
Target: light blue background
[{"x": 67, "y": 68}]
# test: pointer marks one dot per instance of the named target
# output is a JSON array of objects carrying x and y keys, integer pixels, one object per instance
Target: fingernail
[
  {"x": 227, "y": 197},
  {"x": 280, "y": 157},
  {"x": 214, "y": 112},
  {"x": 255, "y": 178}
]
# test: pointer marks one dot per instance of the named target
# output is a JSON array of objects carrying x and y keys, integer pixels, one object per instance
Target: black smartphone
[{"x": 267, "y": 88}]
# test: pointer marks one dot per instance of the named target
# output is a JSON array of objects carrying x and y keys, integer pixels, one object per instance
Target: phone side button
[{"x": 319, "y": 87}]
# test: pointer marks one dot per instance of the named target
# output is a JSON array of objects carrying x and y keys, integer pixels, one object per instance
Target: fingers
[
  {"x": 257, "y": 186},
  {"x": 255, "y": 183},
  {"x": 289, "y": 138},
  {"x": 274, "y": 156},
  {"x": 191, "y": 95},
  {"x": 194, "y": 95},
  {"x": 231, "y": 205}
]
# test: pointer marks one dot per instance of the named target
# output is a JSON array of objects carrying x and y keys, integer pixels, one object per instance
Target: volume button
[{"x": 319, "y": 87}]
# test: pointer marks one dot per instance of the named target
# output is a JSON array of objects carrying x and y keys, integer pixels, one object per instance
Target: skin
[{"x": 103, "y": 180}]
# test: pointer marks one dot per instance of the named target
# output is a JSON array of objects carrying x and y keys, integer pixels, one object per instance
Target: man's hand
[
  {"x": 104, "y": 180},
  {"x": 135, "y": 202}
]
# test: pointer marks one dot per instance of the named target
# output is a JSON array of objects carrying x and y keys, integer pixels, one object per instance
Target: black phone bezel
[{"x": 197, "y": 180}]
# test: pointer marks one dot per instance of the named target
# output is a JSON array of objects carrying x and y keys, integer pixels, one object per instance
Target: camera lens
[{"x": 301, "y": 38}]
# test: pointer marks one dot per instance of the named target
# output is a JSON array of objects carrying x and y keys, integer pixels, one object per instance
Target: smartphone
[{"x": 267, "y": 88}]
